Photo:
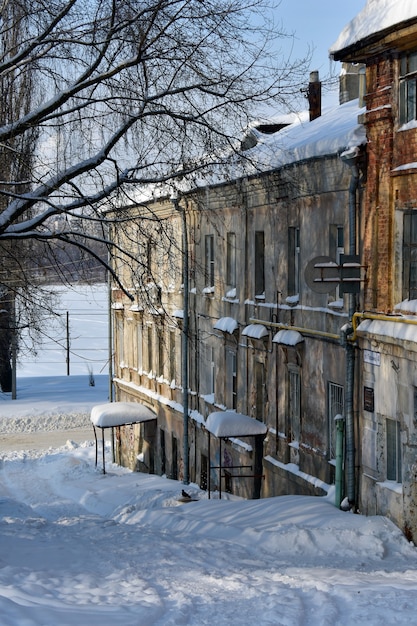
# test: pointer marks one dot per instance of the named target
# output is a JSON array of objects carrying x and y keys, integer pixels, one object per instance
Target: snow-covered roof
[
  {"x": 226, "y": 325},
  {"x": 119, "y": 413},
  {"x": 232, "y": 424},
  {"x": 288, "y": 337},
  {"x": 337, "y": 129},
  {"x": 376, "y": 17},
  {"x": 397, "y": 331},
  {"x": 255, "y": 331}
]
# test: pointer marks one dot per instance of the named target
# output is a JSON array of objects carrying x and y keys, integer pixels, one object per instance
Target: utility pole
[{"x": 184, "y": 337}]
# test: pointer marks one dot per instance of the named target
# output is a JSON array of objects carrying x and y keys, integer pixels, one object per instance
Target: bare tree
[{"x": 103, "y": 94}]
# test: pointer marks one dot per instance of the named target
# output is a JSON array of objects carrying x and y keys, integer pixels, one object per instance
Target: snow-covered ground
[{"x": 79, "y": 548}]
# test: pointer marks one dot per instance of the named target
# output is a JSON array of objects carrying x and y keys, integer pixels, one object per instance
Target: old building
[
  {"x": 385, "y": 40},
  {"x": 265, "y": 329}
]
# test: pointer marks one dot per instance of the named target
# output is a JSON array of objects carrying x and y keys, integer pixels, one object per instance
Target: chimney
[{"x": 314, "y": 96}]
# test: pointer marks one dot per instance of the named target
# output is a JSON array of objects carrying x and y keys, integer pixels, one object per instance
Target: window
[
  {"x": 293, "y": 261},
  {"x": 335, "y": 406},
  {"x": 393, "y": 454},
  {"x": 410, "y": 256},
  {"x": 259, "y": 263},
  {"x": 408, "y": 88},
  {"x": 139, "y": 344},
  {"x": 163, "y": 451},
  {"x": 231, "y": 379},
  {"x": 207, "y": 369},
  {"x": 260, "y": 390},
  {"x": 336, "y": 247},
  {"x": 172, "y": 355},
  {"x": 150, "y": 348},
  {"x": 120, "y": 340},
  {"x": 209, "y": 260},
  {"x": 160, "y": 337},
  {"x": 294, "y": 402},
  {"x": 231, "y": 260}
]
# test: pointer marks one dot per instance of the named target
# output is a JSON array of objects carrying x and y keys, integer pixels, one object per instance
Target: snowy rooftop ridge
[{"x": 375, "y": 17}]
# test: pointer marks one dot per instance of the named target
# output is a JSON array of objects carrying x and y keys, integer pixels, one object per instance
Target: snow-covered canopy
[
  {"x": 226, "y": 325},
  {"x": 377, "y": 16},
  {"x": 232, "y": 424},
  {"x": 118, "y": 413},
  {"x": 288, "y": 337},
  {"x": 255, "y": 331}
]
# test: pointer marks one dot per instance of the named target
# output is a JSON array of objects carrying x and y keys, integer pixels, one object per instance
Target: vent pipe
[{"x": 314, "y": 96}]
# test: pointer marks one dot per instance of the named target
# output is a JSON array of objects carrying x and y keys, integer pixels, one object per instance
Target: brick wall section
[{"x": 377, "y": 217}]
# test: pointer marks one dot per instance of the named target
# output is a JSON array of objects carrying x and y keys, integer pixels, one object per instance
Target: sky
[
  {"x": 317, "y": 25},
  {"x": 80, "y": 548}
]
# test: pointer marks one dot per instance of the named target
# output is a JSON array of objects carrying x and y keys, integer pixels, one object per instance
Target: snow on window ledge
[{"x": 293, "y": 300}]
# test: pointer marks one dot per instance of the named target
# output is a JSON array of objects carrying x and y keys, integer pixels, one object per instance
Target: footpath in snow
[{"x": 79, "y": 548}]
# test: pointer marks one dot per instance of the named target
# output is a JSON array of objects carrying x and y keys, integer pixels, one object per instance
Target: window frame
[
  {"x": 294, "y": 250},
  {"x": 407, "y": 105},
  {"x": 231, "y": 260},
  {"x": 409, "y": 252},
  {"x": 393, "y": 456},
  {"x": 259, "y": 264},
  {"x": 209, "y": 261},
  {"x": 335, "y": 406}
]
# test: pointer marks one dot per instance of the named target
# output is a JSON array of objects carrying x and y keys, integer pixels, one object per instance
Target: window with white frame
[
  {"x": 335, "y": 406},
  {"x": 408, "y": 88},
  {"x": 409, "y": 290},
  {"x": 393, "y": 450}
]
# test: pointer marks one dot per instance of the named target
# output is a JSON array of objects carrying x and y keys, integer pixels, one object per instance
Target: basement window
[{"x": 408, "y": 88}]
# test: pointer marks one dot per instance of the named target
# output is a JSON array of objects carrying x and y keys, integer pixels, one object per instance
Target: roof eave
[{"x": 400, "y": 37}]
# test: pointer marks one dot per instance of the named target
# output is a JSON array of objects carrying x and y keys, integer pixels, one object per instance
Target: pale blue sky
[{"x": 317, "y": 23}]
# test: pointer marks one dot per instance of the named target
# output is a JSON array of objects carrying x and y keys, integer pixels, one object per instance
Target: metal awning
[
  {"x": 226, "y": 325},
  {"x": 226, "y": 425},
  {"x": 288, "y": 337},
  {"x": 112, "y": 414},
  {"x": 255, "y": 331}
]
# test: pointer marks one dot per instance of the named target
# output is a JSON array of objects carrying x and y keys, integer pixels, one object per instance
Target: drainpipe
[
  {"x": 184, "y": 337},
  {"x": 350, "y": 158},
  {"x": 340, "y": 428}
]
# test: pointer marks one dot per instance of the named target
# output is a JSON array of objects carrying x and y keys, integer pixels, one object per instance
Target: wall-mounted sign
[
  {"x": 368, "y": 399},
  {"x": 374, "y": 358}
]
